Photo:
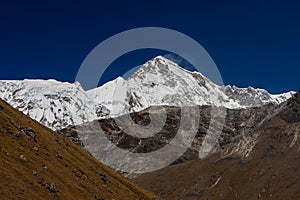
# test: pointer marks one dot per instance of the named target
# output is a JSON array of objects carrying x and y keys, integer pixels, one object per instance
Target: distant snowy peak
[
  {"x": 53, "y": 103},
  {"x": 157, "y": 82},
  {"x": 251, "y": 97}
]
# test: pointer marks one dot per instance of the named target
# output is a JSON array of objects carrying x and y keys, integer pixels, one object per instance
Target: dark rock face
[
  {"x": 239, "y": 124},
  {"x": 102, "y": 111},
  {"x": 291, "y": 113},
  {"x": 72, "y": 134}
]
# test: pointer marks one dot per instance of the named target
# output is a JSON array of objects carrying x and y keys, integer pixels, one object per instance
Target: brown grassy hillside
[{"x": 37, "y": 163}]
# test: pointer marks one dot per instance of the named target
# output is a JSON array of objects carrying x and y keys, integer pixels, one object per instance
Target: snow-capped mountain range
[{"x": 157, "y": 82}]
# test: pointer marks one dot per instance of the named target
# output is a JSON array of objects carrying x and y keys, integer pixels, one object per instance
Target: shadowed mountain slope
[
  {"x": 271, "y": 171},
  {"x": 239, "y": 126}
]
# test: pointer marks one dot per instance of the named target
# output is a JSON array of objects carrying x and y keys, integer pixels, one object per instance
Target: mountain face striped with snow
[{"x": 157, "y": 82}]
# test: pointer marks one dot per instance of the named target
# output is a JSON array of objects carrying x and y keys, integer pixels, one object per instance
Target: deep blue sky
[{"x": 253, "y": 43}]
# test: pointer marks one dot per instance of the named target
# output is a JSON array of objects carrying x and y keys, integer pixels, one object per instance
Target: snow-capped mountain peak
[
  {"x": 157, "y": 82},
  {"x": 163, "y": 82}
]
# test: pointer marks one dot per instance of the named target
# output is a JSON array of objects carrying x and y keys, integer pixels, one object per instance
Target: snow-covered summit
[
  {"x": 162, "y": 82},
  {"x": 157, "y": 82}
]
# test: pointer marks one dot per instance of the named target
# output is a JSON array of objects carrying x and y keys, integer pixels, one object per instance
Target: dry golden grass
[{"x": 33, "y": 160}]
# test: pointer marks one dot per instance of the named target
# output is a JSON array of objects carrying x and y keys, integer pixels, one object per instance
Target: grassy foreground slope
[{"x": 37, "y": 163}]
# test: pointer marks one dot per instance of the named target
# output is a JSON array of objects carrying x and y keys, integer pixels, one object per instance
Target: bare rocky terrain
[
  {"x": 257, "y": 155},
  {"x": 239, "y": 125},
  {"x": 270, "y": 171}
]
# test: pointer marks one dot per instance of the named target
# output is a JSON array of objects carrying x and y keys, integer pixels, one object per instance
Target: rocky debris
[
  {"x": 34, "y": 173},
  {"x": 52, "y": 187},
  {"x": 30, "y": 133},
  {"x": 24, "y": 158},
  {"x": 59, "y": 156},
  {"x": 36, "y": 150},
  {"x": 81, "y": 174},
  {"x": 15, "y": 124},
  {"x": 17, "y": 134},
  {"x": 103, "y": 178},
  {"x": 45, "y": 167},
  {"x": 1, "y": 108}
]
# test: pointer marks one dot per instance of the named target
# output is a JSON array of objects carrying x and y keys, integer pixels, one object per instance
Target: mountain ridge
[{"x": 157, "y": 82}]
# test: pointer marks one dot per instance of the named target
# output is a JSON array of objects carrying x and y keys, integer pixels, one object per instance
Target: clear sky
[{"x": 253, "y": 43}]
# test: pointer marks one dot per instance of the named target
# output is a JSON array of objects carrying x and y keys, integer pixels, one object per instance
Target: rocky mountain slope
[
  {"x": 269, "y": 171},
  {"x": 159, "y": 82},
  {"x": 37, "y": 163},
  {"x": 236, "y": 136}
]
